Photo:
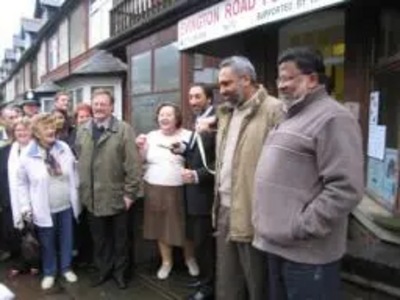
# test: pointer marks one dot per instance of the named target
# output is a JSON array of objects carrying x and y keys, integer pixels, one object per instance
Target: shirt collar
[{"x": 105, "y": 124}]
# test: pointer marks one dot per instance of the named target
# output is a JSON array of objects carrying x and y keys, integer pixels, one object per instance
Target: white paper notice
[
  {"x": 373, "y": 108},
  {"x": 377, "y": 141}
]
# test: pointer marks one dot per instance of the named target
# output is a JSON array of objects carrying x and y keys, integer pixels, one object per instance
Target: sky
[{"x": 10, "y": 20}]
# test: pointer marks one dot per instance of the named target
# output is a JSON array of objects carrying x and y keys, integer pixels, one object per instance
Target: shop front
[{"x": 361, "y": 47}]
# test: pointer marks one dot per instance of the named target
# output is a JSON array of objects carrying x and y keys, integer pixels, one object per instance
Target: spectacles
[{"x": 287, "y": 79}]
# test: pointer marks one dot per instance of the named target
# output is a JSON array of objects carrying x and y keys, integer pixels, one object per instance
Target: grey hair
[{"x": 241, "y": 66}]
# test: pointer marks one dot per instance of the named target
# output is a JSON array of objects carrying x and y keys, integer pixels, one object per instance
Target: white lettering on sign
[{"x": 234, "y": 16}]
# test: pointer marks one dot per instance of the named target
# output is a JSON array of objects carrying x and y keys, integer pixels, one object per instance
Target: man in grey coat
[{"x": 309, "y": 178}]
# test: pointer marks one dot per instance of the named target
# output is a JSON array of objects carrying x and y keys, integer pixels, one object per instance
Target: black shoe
[
  {"x": 205, "y": 293},
  {"x": 121, "y": 283},
  {"x": 97, "y": 281},
  {"x": 196, "y": 284}
]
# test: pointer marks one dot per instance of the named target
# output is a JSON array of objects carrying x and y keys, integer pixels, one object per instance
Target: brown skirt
[{"x": 164, "y": 214}]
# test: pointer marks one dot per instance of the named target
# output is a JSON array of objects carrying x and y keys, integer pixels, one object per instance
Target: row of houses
[
  {"x": 57, "y": 50},
  {"x": 150, "y": 51}
]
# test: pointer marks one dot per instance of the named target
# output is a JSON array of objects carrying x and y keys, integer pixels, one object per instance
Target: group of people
[{"x": 257, "y": 191}]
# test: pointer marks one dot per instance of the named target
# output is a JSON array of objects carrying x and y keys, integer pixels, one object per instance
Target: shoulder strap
[{"x": 199, "y": 141}]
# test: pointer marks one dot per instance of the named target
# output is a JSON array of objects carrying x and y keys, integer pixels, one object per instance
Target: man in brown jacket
[
  {"x": 308, "y": 179},
  {"x": 244, "y": 121},
  {"x": 109, "y": 174}
]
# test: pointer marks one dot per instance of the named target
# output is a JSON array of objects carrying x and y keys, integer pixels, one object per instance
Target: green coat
[{"x": 109, "y": 169}]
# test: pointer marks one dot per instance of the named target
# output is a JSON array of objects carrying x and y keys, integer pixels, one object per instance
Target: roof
[
  {"x": 18, "y": 42},
  {"x": 31, "y": 25},
  {"x": 47, "y": 87},
  {"x": 101, "y": 62}
]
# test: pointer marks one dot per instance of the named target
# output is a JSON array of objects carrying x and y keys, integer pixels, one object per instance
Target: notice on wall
[
  {"x": 374, "y": 108},
  {"x": 382, "y": 177},
  {"x": 377, "y": 141}
]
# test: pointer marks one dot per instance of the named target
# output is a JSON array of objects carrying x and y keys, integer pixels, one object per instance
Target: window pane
[
  {"x": 144, "y": 107},
  {"x": 78, "y": 96},
  {"x": 47, "y": 105},
  {"x": 141, "y": 73},
  {"x": 166, "y": 68}
]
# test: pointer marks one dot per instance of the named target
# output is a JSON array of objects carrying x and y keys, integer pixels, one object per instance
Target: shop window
[
  {"x": 141, "y": 73},
  {"x": 383, "y": 164},
  {"x": 323, "y": 31},
  {"x": 166, "y": 68},
  {"x": 155, "y": 78},
  {"x": 390, "y": 34},
  {"x": 143, "y": 114}
]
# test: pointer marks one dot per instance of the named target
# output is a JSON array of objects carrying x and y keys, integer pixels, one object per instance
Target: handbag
[{"x": 30, "y": 247}]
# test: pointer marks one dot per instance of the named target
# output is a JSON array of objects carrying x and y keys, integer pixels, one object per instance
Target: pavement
[
  {"x": 27, "y": 287},
  {"x": 143, "y": 286}
]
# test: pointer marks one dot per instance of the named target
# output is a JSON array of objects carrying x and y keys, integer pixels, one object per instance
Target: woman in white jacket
[
  {"x": 12, "y": 223},
  {"x": 48, "y": 193}
]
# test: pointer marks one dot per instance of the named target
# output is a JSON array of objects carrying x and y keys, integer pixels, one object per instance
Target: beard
[{"x": 238, "y": 98}]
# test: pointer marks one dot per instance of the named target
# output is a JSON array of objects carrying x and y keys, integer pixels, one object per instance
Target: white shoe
[
  {"x": 70, "y": 277},
  {"x": 164, "y": 271},
  {"x": 47, "y": 282},
  {"x": 193, "y": 267}
]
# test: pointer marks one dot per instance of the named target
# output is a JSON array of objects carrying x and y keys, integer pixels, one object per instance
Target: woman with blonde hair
[
  {"x": 48, "y": 194},
  {"x": 12, "y": 221},
  {"x": 164, "y": 207}
]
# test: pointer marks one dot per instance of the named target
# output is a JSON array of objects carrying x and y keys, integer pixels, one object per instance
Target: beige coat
[{"x": 265, "y": 113}]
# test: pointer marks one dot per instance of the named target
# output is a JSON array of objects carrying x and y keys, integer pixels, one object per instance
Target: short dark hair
[
  {"x": 62, "y": 93},
  {"x": 207, "y": 89},
  {"x": 306, "y": 59},
  {"x": 177, "y": 112}
]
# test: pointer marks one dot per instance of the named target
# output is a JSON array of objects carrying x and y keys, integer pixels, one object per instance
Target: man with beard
[
  {"x": 309, "y": 178},
  {"x": 199, "y": 190},
  {"x": 244, "y": 121}
]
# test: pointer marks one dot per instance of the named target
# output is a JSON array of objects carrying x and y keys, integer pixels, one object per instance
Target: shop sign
[{"x": 233, "y": 16}]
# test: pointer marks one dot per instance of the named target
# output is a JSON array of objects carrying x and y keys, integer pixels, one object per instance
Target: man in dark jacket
[{"x": 199, "y": 190}]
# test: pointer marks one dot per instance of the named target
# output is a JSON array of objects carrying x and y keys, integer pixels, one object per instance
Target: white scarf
[{"x": 13, "y": 166}]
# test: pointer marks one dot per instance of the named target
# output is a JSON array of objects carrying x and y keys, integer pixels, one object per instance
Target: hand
[
  {"x": 20, "y": 225},
  {"x": 128, "y": 202},
  {"x": 141, "y": 141},
  {"x": 27, "y": 215},
  {"x": 205, "y": 124},
  {"x": 188, "y": 176},
  {"x": 178, "y": 148}
]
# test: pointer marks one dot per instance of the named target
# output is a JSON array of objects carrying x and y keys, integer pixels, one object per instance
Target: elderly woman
[
  {"x": 164, "y": 207},
  {"x": 12, "y": 222},
  {"x": 47, "y": 192}
]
